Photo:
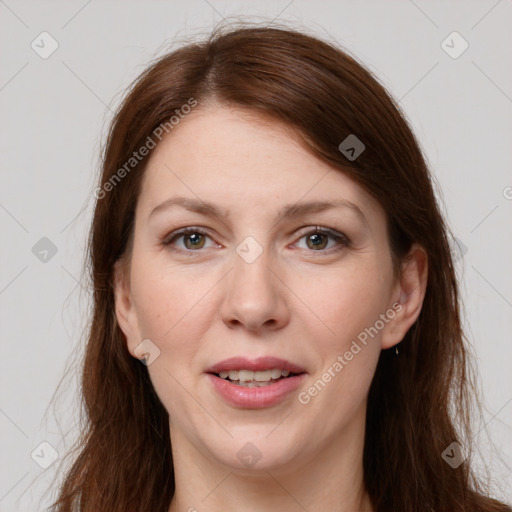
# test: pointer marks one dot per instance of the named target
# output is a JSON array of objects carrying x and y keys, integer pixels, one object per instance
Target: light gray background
[{"x": 54, "y": 113}]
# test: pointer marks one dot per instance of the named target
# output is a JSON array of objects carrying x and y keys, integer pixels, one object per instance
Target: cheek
[
  {"x": 172, "y": 310},
  {"x": 175, "y": 311},
  {"x": 347, "y": 358},
  {"x": 167, "y": 298},
  {"x": 348, "y": 301},
  {"x": 350, "y": 304}
]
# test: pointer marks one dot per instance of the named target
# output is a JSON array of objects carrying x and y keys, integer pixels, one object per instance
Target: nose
[{"x": 255, "y": 295}]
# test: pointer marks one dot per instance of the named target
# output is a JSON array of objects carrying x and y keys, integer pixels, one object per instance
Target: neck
[{"x": 332, "y": 479}]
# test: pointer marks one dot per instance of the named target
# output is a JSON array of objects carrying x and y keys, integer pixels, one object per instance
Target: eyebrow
[{"x": 287, "y": 212}]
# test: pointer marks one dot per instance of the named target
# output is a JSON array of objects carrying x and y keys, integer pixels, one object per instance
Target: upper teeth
[{"x": 248, "y": 375}]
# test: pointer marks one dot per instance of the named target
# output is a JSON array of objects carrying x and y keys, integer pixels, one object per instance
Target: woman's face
[{"x": 252, "y": 287}]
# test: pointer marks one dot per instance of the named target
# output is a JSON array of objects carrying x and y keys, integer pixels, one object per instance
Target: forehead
[
  {"x": 234, "y": 144},
  {"x": 239, "y": 160}
]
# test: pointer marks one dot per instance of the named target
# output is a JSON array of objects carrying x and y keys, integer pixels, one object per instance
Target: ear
[
  {"x": 408, "y": 296},
  {"x": 124, "y": 307}
]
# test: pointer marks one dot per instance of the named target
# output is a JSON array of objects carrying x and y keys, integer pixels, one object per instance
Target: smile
[{"x": 251, "y": 379}]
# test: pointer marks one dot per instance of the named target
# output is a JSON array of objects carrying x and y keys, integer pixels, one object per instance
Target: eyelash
[{"x": 343, "y": 240}]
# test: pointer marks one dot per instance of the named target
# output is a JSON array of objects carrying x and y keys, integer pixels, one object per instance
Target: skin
[{"x": 296, "y": 301}]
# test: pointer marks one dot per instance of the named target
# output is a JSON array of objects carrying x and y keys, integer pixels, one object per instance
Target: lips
[
  {"x": 255, "y": 365},
  {"x": 258, "y": 394}
]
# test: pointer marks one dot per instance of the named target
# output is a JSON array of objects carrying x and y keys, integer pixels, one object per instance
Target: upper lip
[{"x": 259, "y": 364}]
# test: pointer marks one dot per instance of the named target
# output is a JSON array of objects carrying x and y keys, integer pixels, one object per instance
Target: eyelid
[
  {"x": 311, "y": 230},
  {"x": 175, "y": 235},
  {"x": 343, "y": 240}
]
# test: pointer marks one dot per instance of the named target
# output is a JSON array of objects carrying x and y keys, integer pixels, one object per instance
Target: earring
[{"x": 396, "y": 349}]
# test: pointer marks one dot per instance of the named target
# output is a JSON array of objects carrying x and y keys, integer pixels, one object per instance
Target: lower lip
[{"x": 258, "y": 397}]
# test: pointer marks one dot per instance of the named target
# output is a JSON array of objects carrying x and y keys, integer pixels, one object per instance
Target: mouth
[
  {"x": 255, "y": 384},
  {"x": 258, "y": 379}
]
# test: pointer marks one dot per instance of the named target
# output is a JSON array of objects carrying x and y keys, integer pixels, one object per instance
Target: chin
[{"x": 257, "y": 453}]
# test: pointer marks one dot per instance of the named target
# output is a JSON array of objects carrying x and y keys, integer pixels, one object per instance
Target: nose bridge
[
  {"x": 253, "y": 294},
  {"x": 251, "y": 265}
]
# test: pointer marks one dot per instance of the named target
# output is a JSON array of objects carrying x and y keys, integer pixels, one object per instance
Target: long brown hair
[{"x": 418, "y": 403}]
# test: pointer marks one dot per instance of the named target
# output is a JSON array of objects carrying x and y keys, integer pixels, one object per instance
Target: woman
[{"x": 276, "y": 322}]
